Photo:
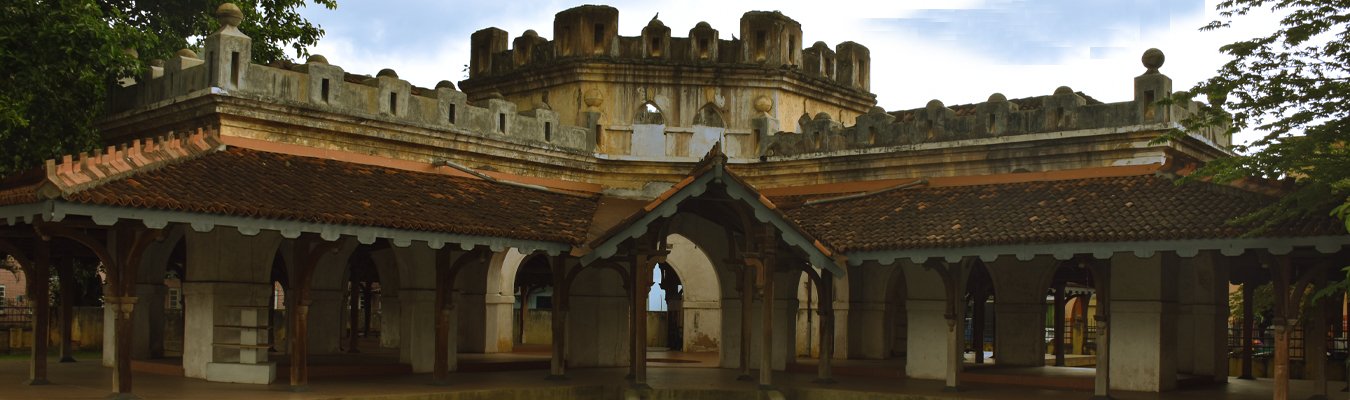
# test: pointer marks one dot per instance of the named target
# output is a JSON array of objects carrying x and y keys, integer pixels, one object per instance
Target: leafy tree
[
  {"x": 1293, "y": 87},
  {"x": 58, "y": 57}
]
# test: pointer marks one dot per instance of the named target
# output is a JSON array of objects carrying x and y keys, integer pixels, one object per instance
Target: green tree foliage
[
  {"x": 58, "y": 58},
  {"x": 1292, "y": 86}
]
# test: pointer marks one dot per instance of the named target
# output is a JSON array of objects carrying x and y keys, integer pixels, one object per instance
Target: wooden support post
[
  {"x": 1248, "y": 328},
  {"x": 1059, "y": 325},
  {"x": 825, "y": 368},
  {"x": 123, "y": 329},
  {"x": 38, "y": 274},
  {"x": 299, "y": 335},
  {"x": 558, "y": 362},
  {"x": 66, "y": 269},
  {"x": 747, "y": 304}
]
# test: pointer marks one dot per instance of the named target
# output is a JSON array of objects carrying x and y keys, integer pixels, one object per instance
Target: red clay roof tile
[
  {"x": 250, "y": 183},
  {"x": 1129, "y": 208}
]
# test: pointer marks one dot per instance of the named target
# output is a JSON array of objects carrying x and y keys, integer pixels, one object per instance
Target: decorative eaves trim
[
  {"x": 56, "y": 211},
  {"x": 1104, "y": 250}
]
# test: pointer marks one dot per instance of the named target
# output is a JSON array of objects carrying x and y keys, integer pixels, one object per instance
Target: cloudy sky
[{"x": 957, "y": 51}]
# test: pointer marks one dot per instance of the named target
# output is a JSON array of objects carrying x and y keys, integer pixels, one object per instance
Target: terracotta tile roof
[
  {"x": 1124, "y": 208},
  {"x": 250, "y": 183}
]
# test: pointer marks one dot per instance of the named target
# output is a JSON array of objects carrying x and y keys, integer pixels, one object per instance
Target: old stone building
[{"x": 802, "y": 223}]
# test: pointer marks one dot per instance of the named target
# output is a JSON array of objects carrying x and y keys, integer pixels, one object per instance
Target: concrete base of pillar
[{"x": 260, "y": 374}]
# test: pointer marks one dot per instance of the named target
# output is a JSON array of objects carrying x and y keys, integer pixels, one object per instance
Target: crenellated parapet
[
  {"x": 768, "y": 39},
  {"x": 223, "y": 68},
  {"x": 1063, "y": 111}
]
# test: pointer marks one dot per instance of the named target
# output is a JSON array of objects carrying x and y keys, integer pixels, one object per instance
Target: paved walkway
[{"x": 88, "y": 380}]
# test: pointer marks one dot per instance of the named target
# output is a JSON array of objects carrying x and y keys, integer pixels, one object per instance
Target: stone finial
[
  {"x": 445, "y": 85},
  {"x": 593, "y": 99},
  {"x": 316, "y": 59},
  {"x": 389, "y": 72},
  {"x": 935, "y": 103},
  {"x": 997, "y": 98},
  {"x": 1153, "y": 59},
  {"x": 530, "y": 33},
  {"x": 876, "y": 110},
  {"x": 763, "y": 104},
  {"x": 823, "y": 116},
  {"x": 186, "y": 53},
  {"x": 702, "y": 25},
  {"x": 1063, "y": 90},
  {"x": 229, "y": 14}
]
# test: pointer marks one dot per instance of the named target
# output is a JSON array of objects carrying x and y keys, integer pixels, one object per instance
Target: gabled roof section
[
  {"x": 198, "y": 180},
  {"x": 1081, "y": 213},
  {"x": 712, "y": 170}
]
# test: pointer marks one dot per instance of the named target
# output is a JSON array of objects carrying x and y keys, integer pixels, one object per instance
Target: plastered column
[
  {"x": 390, "y": 321},
  {"x": 1206, "y": 310},
  {"x": 149, "y": 320},
  {"x": 1019, "y": 311},
  {"x": 417, "y": 298},
  {"x": 865, "y": 311},
  {"x": 1143, "y": 322},
  {"x": 926, "y": 307},
  {"x": 325, "y": 321},
  {"x": 417, "y": 313},
  {"x": 497, "y": 322},
  {"x": 225, "y": 269}
]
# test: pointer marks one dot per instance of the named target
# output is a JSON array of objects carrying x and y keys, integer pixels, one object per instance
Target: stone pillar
[
  {"x": 925, "y": 306},
  {"x": 766, "y": 325},
  {"x": 418, "y": 314},
  {"x": 1143, "y": 318},
  {"x": 1019, "y": 312},
  {"x": 747, "y": 302},
  {"x": 325, "y": 321},
  {"x": 497, "y": 321},
  {"x": 209, "y": 309},
  {"x": 561, "y": 303},
  {"x": 390, "y": 317},
  {"x": 149, "y": 320},
  {"x": 1206, "y": 309},
  {"x": 225, "y": 269},
  {"x": 440, "y": 372}
]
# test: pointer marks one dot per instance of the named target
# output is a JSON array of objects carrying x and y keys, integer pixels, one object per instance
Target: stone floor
[{"x": 88, "y": 380}]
